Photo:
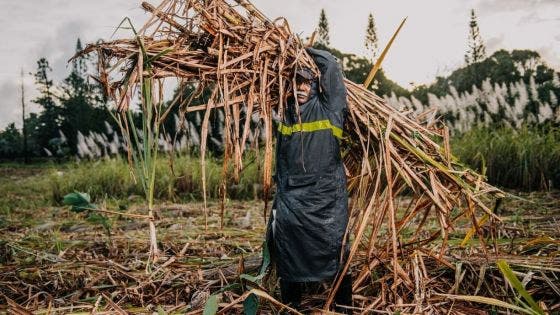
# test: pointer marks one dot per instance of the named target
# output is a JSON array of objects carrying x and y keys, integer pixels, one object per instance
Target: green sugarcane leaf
[
  {"x": 211, "y": 306},
  {"x": 518, "y": 286},
  {"x": 79, "y": 202},
  {"x": 266, "y": 258},
  {"x": 488, "y": 301},
  {"x": 156, "y": 57},
  {"x": 250, "y": 278},
  {"x": 262, "y": 272},
  {"x": 251, "y": 305}
]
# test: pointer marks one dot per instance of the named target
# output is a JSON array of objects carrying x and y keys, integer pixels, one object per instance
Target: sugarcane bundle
[{"x": 247, "y": 63}]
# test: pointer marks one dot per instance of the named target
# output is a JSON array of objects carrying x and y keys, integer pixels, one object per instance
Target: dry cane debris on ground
[
  {"x": 408, "y": 193},
  {"x": 53, "y": 260}
]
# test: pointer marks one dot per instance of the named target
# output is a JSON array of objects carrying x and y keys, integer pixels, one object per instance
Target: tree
[
  {"x": 323, "y": 29},
  {"x": 79, "y": 102},
  {"x": 50, "y": 119},
  {"x": 23, "y": 127},
  {"x": 356, "y": 69},
  {"x": 76, "y": 83},
  {"x": 75, "y": 101},
  {"x": 10, "y": 142},
  {"x": 371, "y": 41},
  {"x": 500, "y": 67},
  {"x": 516, "y": 79},
  {"x": 476, "y": 49},
  {"x": 32, "y": 127}
]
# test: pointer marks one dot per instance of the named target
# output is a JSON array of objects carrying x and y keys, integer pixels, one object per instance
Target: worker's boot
[
  {"x": 343, "y": 296},
  {"x": 291, "y": 293}
]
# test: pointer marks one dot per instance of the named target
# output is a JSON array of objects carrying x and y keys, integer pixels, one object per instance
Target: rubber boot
[
  {"x": 343, "y": 296},
  {"x": 291, "y": 293}
]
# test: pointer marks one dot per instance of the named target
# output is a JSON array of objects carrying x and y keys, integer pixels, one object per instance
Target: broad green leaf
[
  {"x": 211, "y": 306},
  {"x": 251, "y": 305},
  {"x": 518, "y": 286},
  {"x": 79, "y": 201},
  {"x": 76, "y": 198}
]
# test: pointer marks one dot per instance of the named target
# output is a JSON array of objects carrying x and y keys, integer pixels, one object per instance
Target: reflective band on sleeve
[{"x": 310, "y": 127}]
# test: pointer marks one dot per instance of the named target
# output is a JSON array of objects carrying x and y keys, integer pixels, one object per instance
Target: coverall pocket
[{"x": 301, "y": 180}]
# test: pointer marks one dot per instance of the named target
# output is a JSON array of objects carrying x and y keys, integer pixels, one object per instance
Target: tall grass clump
[
  {"x": 101, "y": 178},
  {"x": 176, "y": 181},
  {"x": 527, "y": 158}
]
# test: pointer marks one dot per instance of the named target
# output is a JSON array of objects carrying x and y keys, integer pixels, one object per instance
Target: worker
[{"x": 310, "y": 211}]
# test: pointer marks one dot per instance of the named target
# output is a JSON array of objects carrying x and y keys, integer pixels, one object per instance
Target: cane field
[{"x": 137, "y": 176}]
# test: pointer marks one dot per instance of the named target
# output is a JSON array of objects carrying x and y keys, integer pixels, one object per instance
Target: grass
[
  {"x": 527, "y": 159},
  {"x": 110, "y": 180}
]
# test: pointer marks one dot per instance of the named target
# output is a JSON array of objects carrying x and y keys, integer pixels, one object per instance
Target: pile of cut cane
[{"x": 407, "y": 190}]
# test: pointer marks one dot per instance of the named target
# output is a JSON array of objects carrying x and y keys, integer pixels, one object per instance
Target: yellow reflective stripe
[{"x": 310, "y": 127}]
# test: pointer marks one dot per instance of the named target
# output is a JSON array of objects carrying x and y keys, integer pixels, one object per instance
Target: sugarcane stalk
[{"x": 379, "y": 61}]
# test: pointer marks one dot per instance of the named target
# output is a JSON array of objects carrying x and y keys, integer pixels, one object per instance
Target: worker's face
[{"x": 303, "y": 89}]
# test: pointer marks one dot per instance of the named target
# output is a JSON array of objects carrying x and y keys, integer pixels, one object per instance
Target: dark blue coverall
[{"x": 311, "y": 201}]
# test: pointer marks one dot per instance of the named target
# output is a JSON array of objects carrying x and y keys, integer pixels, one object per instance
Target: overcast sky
[{"x": 433, "y": 42}]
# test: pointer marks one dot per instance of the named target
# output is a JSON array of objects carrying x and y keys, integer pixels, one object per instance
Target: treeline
[
  {"x": 507, "y": 89},
  {"x": 74, "y": 106}
]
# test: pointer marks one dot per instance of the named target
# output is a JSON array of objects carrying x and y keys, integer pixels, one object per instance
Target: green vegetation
[
  {"x": 502, "y": 67},
  {"x": 528, "y": 158},
  {"x": 109, "y": 179},
  {"x": 112, "y": 178},
  {"x": 80, "y": 202}
]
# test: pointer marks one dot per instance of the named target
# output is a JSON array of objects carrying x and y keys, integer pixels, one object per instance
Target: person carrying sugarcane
[{"x": 310, "y": 211}]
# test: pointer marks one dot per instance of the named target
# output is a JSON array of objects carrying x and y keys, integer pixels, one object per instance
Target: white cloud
[
  {"x": 493, "y": 6},
  {"x": 495, "y": 43},
  {"x": 551, "y": 55},
  {"x": 9, "y": 112},
  {"x": 38, "y": 28}
]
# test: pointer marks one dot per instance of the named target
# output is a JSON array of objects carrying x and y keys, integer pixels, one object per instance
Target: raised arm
[{"x": 333, "y": 89}]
